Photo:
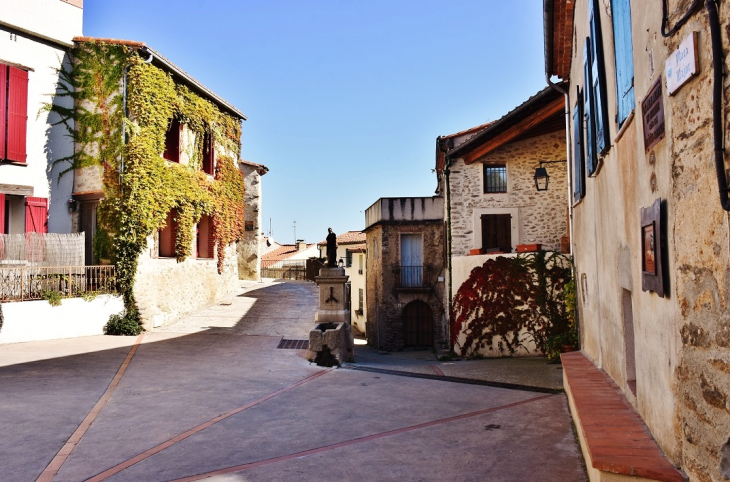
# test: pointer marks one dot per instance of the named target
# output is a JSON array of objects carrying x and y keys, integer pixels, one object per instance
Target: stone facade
[
  {"x": 385, "y": 301},
  {"x": 677, "y": 347},
  {"x": 537, "y": 216},
  {"x": 249, "y": 248}
]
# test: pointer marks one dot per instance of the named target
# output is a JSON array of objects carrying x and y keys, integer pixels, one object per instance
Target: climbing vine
[
  {"x": 511, "y": 300},
  {"x": 141, "y": 187}
]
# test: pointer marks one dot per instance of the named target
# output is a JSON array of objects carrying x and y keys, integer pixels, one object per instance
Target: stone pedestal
[{"x": 331, "y": 341}]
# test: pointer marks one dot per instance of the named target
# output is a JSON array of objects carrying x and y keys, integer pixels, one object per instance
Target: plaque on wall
[
  {"x": 652, "y": 111},
  {"x": 682, "y": 65},
  {"x": 652, "y": 243}
]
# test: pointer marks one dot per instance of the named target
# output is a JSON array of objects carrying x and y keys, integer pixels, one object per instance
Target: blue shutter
[
  {"x": 598, "y": 76},
  {"x": 624, "y": 56},
  {"x": 578, "y": 159},
  {"x": 590, "y": 137}
]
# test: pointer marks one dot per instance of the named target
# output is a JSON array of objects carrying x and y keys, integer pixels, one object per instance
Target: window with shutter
[
  {"x": 205, "y": 240},
  {"x": 624, "y": 58},
  {"x": 36, "y": 215},
  {"x": 208, "y": 154},
  {"x": 3, "y": 107},
  {"x": 167, "y": 236},
  {"x": 172, "y": 141},
  {"x": 591, "y": 159},
  {"x": 496, "y": 233},
  {"x": 598, "y": 86},
  {"x": 17, "y": 114},
  {"x": 578, "y": 153}
]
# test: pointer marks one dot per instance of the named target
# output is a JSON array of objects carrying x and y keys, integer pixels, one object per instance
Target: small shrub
[
  {"x": 125, "y": 323},
  {"x": 89, "y": 296},
  {"x": 53, "y": 297}
]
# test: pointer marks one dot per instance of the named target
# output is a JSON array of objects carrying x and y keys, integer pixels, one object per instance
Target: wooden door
[
  {"x": 87, "y": 217},
  {"x": 497, "y": 232},
  {"x": 417, "y": 325}
]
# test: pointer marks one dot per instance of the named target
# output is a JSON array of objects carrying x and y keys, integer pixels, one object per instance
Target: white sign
[{"x": 682, "y": 64}]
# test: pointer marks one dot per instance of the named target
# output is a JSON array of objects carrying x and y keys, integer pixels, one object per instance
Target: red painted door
[{"x": 36, "y": 214}]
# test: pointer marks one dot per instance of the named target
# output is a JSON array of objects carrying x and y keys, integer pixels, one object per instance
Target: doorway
[
  {"x": 87, "y": 222},
  {"x": 417, "y": 325},
  {"x": 411, "y": 260}
]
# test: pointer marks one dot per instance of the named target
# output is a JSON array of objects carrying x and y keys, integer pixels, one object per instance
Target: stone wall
[
  {"x": 681, "y": 341},
  {"x": 385, "y": 302},
  {"x": 166, "y": 290},
  {"x": 249, "y": 248},
  {"x": 538, "y": 216}
]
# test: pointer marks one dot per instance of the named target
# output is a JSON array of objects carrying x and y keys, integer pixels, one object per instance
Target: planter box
[
  {"x": 528, "y": 248},
  {"x": 477, "y": 251}
]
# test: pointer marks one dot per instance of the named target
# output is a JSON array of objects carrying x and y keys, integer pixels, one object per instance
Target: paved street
[{"x": 212, "y": 396}]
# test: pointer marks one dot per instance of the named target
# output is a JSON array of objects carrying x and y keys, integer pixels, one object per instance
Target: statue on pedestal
[{"x": 331, "y": 249}]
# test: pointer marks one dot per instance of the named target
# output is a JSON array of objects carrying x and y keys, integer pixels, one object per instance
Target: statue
[{"x": 331, "y": 249}]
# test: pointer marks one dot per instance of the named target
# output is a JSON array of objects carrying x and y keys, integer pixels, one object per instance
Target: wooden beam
[
  {"x": 514, "y": 131},
  {"x": 16, "y": 189}
]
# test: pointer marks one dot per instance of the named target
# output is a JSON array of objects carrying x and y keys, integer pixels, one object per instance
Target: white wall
[
  {"x": 52, "y": 19},
  {"x": 25, "y": 321}
]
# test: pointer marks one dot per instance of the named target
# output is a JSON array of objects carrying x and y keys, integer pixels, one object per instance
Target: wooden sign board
[
  {"x": 652, "y": 249},
  {"x": 682, "y": 64},
  {"x": 652, "y": 111}
]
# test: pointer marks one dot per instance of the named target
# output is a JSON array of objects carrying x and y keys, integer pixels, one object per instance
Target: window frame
[
  {"x": 172, "y": 141},
  {"x": 494, "y": 165}
]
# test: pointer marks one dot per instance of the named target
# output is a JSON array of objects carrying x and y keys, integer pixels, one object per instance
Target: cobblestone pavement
[{"x": 211, "y": 396}]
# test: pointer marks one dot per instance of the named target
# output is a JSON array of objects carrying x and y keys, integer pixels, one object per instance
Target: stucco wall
[
  {"x": 45, "y": 143},
  {"x": 682, "y": 341},
  {"x": 385, "y": 303},
  {"x": 52, "y": 19},
  {"x": 537, "y": 216},
  {"x": 357, "y": 282},
  {"x": 165, "y": 290},
  {"x": 249, "y": 248}
]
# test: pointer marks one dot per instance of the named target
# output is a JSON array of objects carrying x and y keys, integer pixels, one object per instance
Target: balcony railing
[
  {"x": 415, "y": 277},
  {"x": 31, "y": 282}
]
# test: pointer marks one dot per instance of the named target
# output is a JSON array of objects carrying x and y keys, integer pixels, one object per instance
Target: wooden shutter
[
  {"x": 590, "y": 137},
  {"x": 3, "y": 108},
  {"x": 17, "y": 114},
  {"x": 624, "y": 58},
  {"x": 578, "y": 153},
  {"x": 598, "y": 76},
  {"x": 211, "y": 238},
  {"x": 172, "y": 142},
  {"x": 2, "y": 214},
  {"x": 497, "y": 232},
  {"x": 36, "y": 215},
  {"x": 208, "y": 154},
  {"x": 173, "y": 235}
]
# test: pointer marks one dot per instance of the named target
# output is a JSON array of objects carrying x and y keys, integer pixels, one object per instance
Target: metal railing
[
  {"x": 32, "y": 282},
  {"x": 412, "y": 276}
]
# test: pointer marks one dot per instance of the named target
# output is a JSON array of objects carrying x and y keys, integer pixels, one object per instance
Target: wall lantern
[
  {"x": 341, "y": 263},
  {"x": 542, "y": 177}
]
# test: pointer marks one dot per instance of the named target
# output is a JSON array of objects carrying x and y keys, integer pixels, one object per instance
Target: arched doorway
[{"x": 417, "y": 325}]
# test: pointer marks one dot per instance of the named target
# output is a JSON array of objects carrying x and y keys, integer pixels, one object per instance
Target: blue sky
[{"x": 345, "y": 99}]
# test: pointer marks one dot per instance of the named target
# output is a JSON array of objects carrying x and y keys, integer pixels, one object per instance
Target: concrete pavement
[{"x": 212, "y": 396}]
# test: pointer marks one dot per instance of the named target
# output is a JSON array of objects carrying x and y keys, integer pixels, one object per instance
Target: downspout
[
  {"x": 717, "y": 80},
  {"x": 447, "y": 173}
]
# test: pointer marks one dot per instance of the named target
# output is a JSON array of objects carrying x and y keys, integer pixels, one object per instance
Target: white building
[{"x": 35, "y": 38}]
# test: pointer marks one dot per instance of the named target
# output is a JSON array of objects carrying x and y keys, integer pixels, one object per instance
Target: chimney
[{"x": 301, "y": 245}]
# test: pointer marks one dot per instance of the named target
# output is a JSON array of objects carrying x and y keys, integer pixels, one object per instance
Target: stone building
[
  {"x": 406, "y": 243},
  {"x": 646, "y": 98},
  {"x": 352, "y": 252},
  {"x": 34, "y": 36},
  {"x": 166, "y": 288},
  {"x": 249, "y": 248}
]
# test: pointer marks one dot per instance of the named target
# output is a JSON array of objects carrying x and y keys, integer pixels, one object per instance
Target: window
[
  {"x": 248, "y": 226},
  {"x": 205, "y": 242},
  {"x": 172, "y": 141},
  {"x": 361, "y": 262},
  {"x": 167, "y": 236},
  {"x": 594, "y": 77},
  {"x": 496, "y": 233},
  {"x": 578, "y": 153},
  {"x": 13, "y": 113},
  {"x": 624, "y": 57},
  {"x": 36, "y": 215},
  {"x": 208, "y": 154},
  {"x": 360, "y": 296},
  {"x": 348, "y": 258},
  {"x": 495, "y": 178}
]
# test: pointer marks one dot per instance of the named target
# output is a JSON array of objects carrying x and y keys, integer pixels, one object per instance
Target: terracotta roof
[
  {"x": 358, "y": 248},
  {"x": 286, "y": 251},
  {"x": 558, "y": 32},
  {"x": 350, "y": 237},
  {"x": 467, "y": 131},
  {"x": 184, "y": 76},
  {"x": 259, "y": 167}
]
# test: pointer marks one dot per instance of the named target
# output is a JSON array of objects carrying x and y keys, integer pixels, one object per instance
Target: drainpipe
[
  {"x": 447, "y": 173},
  {"x": 717, "y": 80}
]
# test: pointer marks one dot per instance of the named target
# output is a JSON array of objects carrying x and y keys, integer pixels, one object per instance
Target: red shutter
[
  {"x": 211, "y": 239},
  {"x": 36, "y": 214},
  {"x": 172, "y": 142},
  {"x": 208, "y": 154},
  {"x": 2, "y": 214},
  {"x": 3, "y": 106},
  {"x": 17, "y": 114},
  {"x": 173, "y": 235}
]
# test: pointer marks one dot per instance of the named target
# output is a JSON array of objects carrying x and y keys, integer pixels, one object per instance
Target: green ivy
[{"x": 140, "y": 186}]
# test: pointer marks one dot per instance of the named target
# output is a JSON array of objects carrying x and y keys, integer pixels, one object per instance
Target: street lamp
[
  {"x": 341, "y": 263},
  {"x": 542, "y": 178}
]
